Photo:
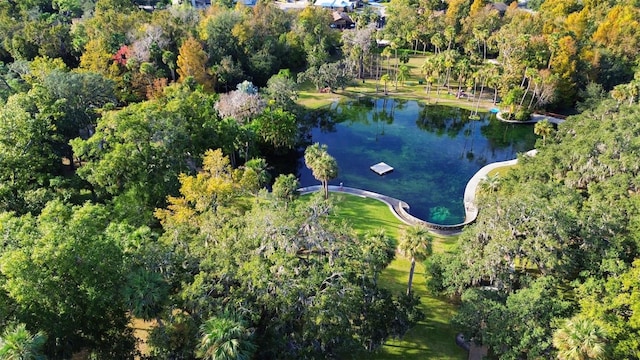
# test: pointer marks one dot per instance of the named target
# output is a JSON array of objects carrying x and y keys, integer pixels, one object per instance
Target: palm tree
[
  {"x": 17, "y": 343},
  {"x": 580, "y": 339},
  {"x": 510, "y": 99},
  {"x": 385, "y": 79},
  {"x": 261, "y": 169},
  {"x": 490, "y": 184},
  {"x": 543, "y": 128},
  {"x": 449, "y": 35},
  {"x": 482, "y": 76},
  {"x": 386, "y": 53},
  {"x": 144, "y": 293},
  {"x": 493, "y": 80},
  {"x": 619, "y": 93},
  {"x": 439, "y": 64},
  {"x": 438, "y": 41},
  {"x": 450, "y": 57},
  {"x": 530, "y": 74},
  {"x": 378, "y": 70},
  {"x": 416, "y": 244},
  {"x": 403, "y": 74},
  {"x": 225, "y": 338},
  {"x": 323, "y": 166},
  {"x": 481, "y": 36},
  {"x": 394, "y": 45},
  {"x": 462, "y": 69},
  {"x": 286, "y": 188},
  {"x": 428, "y": 68}
]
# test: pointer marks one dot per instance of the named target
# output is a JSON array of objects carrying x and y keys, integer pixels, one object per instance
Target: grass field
[
  {"x": 309, "y": 97},
  {"x": 432, "y": 338}
]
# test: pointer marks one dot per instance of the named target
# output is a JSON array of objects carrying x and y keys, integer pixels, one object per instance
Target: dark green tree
[
  {"x": 27, "y": 159},
  {"x": 253, "y": 261},
  {"x": 281, "y": 91},
  {"x": 140, "y": 150},
  {"x": 63, "y": 272},
  {"x": 286, "y": 187},
  {"x": 77, "y": 96},
  {"x": 277, "y": 128},
  {"x": 515, "y": 326}
]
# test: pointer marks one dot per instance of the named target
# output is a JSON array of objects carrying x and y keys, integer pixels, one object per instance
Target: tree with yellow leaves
[
  {"x": 618, "y": 31},
  {"x": 192, "y": 62},
  {"x": 211, "y": 188}
]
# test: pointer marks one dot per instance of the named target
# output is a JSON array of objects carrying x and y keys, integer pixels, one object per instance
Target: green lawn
[
  {"x": 432, "y": 338},
  {"x": 309, "y": 97}
]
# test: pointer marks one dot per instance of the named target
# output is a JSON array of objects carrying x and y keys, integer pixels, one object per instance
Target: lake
[{"x": 433, "y": 149}]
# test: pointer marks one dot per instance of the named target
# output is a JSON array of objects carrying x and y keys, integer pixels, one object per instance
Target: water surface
[{"x": 434, "y": 151}]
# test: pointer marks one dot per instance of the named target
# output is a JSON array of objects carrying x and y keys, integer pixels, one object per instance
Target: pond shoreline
[{"x": 399, "y": 208}]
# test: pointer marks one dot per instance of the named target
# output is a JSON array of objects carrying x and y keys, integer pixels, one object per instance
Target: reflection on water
[{"x": 434, "y": 150}]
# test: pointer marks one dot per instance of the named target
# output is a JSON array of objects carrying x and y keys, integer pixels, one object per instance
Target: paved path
[
  {"x": 477, "y": 352},
  {"x": 471, "y": 210},
  {"x": 534, "y": 119},
  {"x": 393, "y": 203},
  {"x": 400, "y": 208}
]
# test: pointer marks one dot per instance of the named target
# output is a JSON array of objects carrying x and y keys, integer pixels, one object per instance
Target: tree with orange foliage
[{"x": 192, "y": 62}]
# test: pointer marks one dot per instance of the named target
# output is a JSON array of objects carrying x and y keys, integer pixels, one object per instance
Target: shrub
[{"x": 523, "y": 115}]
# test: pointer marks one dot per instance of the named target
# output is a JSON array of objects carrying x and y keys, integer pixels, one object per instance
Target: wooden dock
[{"x": 381, "y": 168}]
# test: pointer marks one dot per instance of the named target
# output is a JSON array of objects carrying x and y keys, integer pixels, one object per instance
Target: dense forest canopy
[
  {"x": 556, "y": 239},
  {"x": 133, "y": 176}
]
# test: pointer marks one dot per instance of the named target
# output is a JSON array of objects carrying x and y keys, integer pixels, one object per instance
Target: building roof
[
  {"x": 341, "y": 16},
  {"x": 324, "y": 3},
  {"x": 334, "y": 4},
  {"x": 500, "y": 6}
]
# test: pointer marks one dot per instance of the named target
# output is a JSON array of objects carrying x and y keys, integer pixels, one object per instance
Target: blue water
[{"x": 434, "y": 151}]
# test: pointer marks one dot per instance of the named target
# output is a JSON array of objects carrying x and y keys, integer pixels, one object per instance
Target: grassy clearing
[
  {"x": 312, "y": 99},
  {"x": 432, "y": 338},
  {"x": 365, "y": 214},
  {"x": 410, "y": 90}
]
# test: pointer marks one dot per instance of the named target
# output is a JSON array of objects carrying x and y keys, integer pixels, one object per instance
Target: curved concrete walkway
[
  {"x": 400, "y": 208},
  {"x": 534, "y": 119},
  {"x": 471, "y": 209},
  {"x": 393, "y": 203}
]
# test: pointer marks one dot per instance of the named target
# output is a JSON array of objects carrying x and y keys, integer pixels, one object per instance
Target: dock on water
[{"x": 381, "y": 168}]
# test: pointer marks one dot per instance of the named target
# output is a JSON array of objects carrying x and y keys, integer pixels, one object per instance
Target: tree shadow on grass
[{"x": 431, "y": 338}]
